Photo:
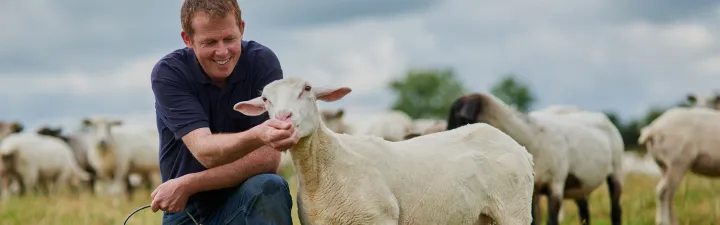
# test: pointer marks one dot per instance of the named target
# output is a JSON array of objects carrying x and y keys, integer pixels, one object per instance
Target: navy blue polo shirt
[{"x": 185, "y": 100}]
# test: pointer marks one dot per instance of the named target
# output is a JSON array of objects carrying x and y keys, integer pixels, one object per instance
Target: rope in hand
[{"x": 148, "y": 206}]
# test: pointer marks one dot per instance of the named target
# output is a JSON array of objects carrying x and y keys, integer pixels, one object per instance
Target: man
[{"x": 218, "y": 165}]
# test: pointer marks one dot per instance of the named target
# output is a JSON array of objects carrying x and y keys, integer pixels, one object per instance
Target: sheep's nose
[
  {"x": 103, "y": 144},
  {"x": 283, "y": 116}
]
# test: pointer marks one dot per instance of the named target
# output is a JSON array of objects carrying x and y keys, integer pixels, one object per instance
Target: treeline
[{"x": 428, "y": 93}]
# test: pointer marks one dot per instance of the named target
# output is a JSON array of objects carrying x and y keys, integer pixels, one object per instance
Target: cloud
[
  {"x": 313, "y": 13},
  {"x": 79, "y": 58}
]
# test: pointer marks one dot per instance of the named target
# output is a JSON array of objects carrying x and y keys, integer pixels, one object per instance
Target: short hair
[{"x": 216, "y": 9}]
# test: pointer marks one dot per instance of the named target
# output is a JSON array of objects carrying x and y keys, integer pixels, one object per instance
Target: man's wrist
[
  {"x": 189, "y": 182},
  {"x": 252, "y": 138}
]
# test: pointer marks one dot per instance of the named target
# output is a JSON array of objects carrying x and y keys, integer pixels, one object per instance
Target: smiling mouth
[{"x": 223, "y": 62}]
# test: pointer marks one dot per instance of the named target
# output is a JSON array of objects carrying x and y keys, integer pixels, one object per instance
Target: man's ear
[
  {"x": 330, "y": 94},
  {"x": 252, "y": 107}
]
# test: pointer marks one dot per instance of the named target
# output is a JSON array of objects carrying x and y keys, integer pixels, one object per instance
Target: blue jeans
[{"x": 262, "y": 199}]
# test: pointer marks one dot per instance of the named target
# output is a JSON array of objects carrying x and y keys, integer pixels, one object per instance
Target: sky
[{"x": 64, "y": 60}]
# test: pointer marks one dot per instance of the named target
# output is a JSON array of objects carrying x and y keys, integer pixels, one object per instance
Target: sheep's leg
[
  {"x": 42, "y": 187},
  {"x": 93, "y": 179},
  {"x": 146, "y": 178},
  {"x": 122, "y": 178},
  {"x": 155, "y": 179},
  {"x": 615, "y": 191},
  {"x": 128, "y": 187},
  {"x": 5, "y": 184},
  {"x": 665, "y": 191},
  {"x": 16, "y": 177},
  {"x": 583, "y": 210},
  {"x": 30, "y": 179},
  {"x": 61, "y": 181},
  {"x": 555, "y": 200}
]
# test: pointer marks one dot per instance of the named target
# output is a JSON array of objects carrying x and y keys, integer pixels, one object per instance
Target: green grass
[{"x": 697, "y": 202}]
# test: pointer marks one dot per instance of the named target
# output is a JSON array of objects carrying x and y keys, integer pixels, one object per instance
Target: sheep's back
[{"x": 451, "y": 173}]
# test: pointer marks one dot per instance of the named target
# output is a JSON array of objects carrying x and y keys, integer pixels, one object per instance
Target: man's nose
[
  {"x": 283, "y": 116},
  {"x": 221, "y": 49}
]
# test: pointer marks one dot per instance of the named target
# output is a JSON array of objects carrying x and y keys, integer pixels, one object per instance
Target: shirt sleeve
[
  {"x": 267, "y": 70},
  {"x": 175, "y": 103}
]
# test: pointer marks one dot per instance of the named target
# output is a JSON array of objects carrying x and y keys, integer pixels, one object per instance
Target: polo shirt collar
[{"x": 235, "y": 76}]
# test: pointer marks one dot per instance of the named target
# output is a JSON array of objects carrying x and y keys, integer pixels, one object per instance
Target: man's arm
[
  {"x": 262, "y": 160},
  {"x": 184, "y": 116}
]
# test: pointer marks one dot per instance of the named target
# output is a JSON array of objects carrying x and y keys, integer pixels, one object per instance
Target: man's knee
[
  {"x": 271, "y": 186},
  {"x": 266, "y": 184},
  {"x": 267, "y": 200}
]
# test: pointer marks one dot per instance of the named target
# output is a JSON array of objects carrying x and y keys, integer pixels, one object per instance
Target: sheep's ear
[
  {"x": 330, "y": 94},
  {"x": 252, "y": 107}
]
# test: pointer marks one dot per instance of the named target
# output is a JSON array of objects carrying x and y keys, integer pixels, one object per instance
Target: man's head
[{"x": 214, "y": 30}]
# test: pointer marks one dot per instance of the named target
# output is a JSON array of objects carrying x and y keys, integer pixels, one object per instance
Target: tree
[
  {"x": 426, "y": 93},
  {"x": 514, "y": 92}
]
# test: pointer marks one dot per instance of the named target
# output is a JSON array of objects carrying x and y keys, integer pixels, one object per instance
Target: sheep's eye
[
  {"x": 307, "y": 87},
  {"x": 264, "y": 99}
]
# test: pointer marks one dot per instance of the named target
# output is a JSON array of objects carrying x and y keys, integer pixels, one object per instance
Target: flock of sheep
[
  {"x": 485, "y": 163},
  {"x": 100, "y": 157}
]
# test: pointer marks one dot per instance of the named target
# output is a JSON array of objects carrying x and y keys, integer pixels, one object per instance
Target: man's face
[{"x": 216, "y": 43}]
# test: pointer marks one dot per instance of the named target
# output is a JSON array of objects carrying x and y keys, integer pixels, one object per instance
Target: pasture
[{"x": 697, "y": 202}]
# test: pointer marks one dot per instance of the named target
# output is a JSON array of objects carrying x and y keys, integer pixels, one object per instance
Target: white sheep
[
  {"x": 426, "y": 126},
  {"x": 115, "y": 153},
  {"x": 334, "y": 120},
  {"x": 679, "y": 140},
  {"x": 78, "y": 143},
  {"x": 574, "y": 151},
  {"x": 41, "y": 160},
  {"x": 595, "y": 120},
  {"x": 473, "y": 175},
  {"x": 392, "y": 125},
  {"x": 711, "y": 101},
  {"x": 10, "y": 179}
]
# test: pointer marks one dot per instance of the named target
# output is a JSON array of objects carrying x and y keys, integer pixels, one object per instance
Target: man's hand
[
  {"x": 277, "y": 134},
  {"x": 170, "y": 196}
]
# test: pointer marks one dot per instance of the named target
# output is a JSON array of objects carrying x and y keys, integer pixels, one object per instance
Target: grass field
[{"x": 697, "y": 202}]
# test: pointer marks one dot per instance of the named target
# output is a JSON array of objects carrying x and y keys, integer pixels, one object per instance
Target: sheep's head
[
  {"x": 708, "y": 101},
  {"x": 465, "y": 110},
  {"x": 333, "y": 120},
  {"x": 99, "y": 128},
  {"x": 7, "y": 128},
  {"x": 292, "y": 99}
]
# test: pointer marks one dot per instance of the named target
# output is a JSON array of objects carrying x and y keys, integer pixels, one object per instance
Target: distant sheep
[
  {"x": 574, "y": 151},
  {"x": 393, "y": 125},
  {"x": 426, "y": 126},
  {"x": 334, "y": 120},
  {"x": 10, "y": 177},
  {"x": 475, "y": 174},
  {"x": 681, "y": 140},
  {"x": 711, "y": 101},
  {"x": 115, "y": 153},
  {"x": 78, "y": 142},
  {"x": 7, "y": 128},
  {"x": 41, "y": 160}
]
